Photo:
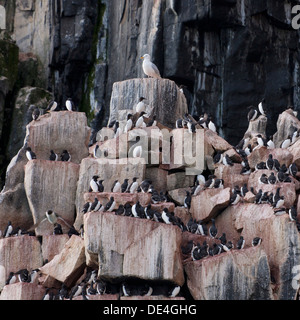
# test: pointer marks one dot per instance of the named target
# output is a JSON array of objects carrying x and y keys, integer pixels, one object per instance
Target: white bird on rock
[{"x": 149, "y": 68}]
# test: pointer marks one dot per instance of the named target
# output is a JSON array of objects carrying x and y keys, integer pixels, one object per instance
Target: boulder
[
  {"x": 53, "y": 245},
  {"x": 261, "y": 154},
  {"x": 68, "y": 265},
  {"x": 23, "y": 291},
  {"x": 258, "y": 126},
  {"x": 231, "y": 175},
  {"x": 280, "y": 240},
  {"x": 209, "y": 203},
  {"x": 51, "y": 186},
  {"x": 14, "y": 207},
  {"x": 59, "y": 131},
  {"x": 18, "y": 253},
  {"x": 179, "y": 180},
  {"x": 163, "y": 95},
  {"x": 178, "y": 195},
  {"x": 236, "y": 275},
  {"x": 183, "y": 214},
  {"x": 288, "y": 190},
  {"x": 113, "y": 242},
  {"x": 287, "y": 123},
  {"x": 294, "y": 150},
  {"x": 108, "y": 170},
  {"x": 158, "y": 177},
  {"x": 217, "y": 142}
]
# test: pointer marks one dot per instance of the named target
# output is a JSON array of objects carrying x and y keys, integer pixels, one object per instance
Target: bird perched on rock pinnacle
[{"x": 149, "y": 68}]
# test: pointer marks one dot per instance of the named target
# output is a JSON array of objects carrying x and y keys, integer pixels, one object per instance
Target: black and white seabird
[
  {"x": 51, "y": 216},
  {"x": 117, "y": 129},
  {"x": 166, "y": 216},
  {"x": 248, "y": 149},
  {"x": 35, "y": 114},
  {"x": 256, "y": 241},
  {"x": 23, "y": 275},
  {"x": 8, "y": 230},
  {"x": 279, "y": 203},
  {"x": 293, "y": 169},
  {"x": 65, "y": 156},
  {"x": 235, "y": 198},
  {"x": 191, "y": 127},
  {"x": 30, "y": 154},
  {"x": 187, "y": 200},
  {"x": 241, "y": 243},
  {"x": 110, "y": 206},
  {"x": 53, "y": 156},
  {"x": 125, "y": 186},
  {"x": 57, "y": 229},
  {"x": 213, "y": 231},
  {"x": 252, "y": 114},
  {"x": 210, "y": 183},
  {"x": 94, "y": 184},
  {"x": 228, "y": 246},
  {"x": 120, "y": 211},
  {"x": 53, "y": 106},
  {"x": 264, "y": 179},
  {"x": 96, "y": 205},
  {"x": 153, "y": 122},
  {"x": 145, "y": 185},
  {"x": 174, "y": 292},
  {"x": 293, "y": 213},
  {"x": 223, "y": 238},
  {"x": 100, "y": 186},
  {"x": 134, "y": 185},
  {"x": 116, "y": 187},
  {"x": 258, "y": 197},
  {"x": 286, "y": 143},
  {"x": 218, "y": 158},
  {"x": 129, "y": 123},
  {"x": 246, "y": 170},
  {"x": 244, "y": 190},
  {"x": 262, "y": 107},
  {"x": 180, "y": 124},
  {"x": 141, "y": 106},
  {"x": 70, "y": 105},
  {"x": 270, "y": 143},
  {"x": 219, "y": 184},
  {"x": 211, "y": 125},
  {"x": 86, "y": 207},
  {"x": 227, "y": 161},
  {"x": 11, "y": 279},
  {"x": 140, "y": 121},
  {"x": 270, "y": 162},
  {"x": 280, "y": 211},
  {"x": 272, "y": 178}
]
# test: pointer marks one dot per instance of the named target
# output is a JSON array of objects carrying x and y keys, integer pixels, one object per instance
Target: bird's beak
[{"x": 142, "y": 57}]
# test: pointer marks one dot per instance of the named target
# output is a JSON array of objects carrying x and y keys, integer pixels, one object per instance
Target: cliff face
[{"x": 228, "y": 55}]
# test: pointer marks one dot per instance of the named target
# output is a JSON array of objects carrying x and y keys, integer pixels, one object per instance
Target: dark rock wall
[{"x": 229, "y": 54}]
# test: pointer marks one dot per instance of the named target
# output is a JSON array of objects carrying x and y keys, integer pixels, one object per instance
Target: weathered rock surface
[
  {"x": 111, "y": 242},
  {"x": 57, "y": 131},
  {"x": 288, "y": 190},
  {"x": 18, "y": 253},
  {"x": 231, "y": 175},
  {"x": 280, "y": 240},
  {"x": 287, "y": 123},
  {"x": 22, "y": 291},
  {"x": 53, "y": 245},
  {"x": 209, "y": 203},
  {"x": 51, "y": 186},
  {"x": 165, "y": 99},
  {"x": 261, "y": 154},
  {"x": 236, "y": 275},
  {"x": 69, "y": 264},
  {"x": 109, "y": 171}
]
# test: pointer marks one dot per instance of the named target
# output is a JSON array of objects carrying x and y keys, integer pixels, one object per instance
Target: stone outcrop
[
  {"x": 63, "y": 176},
  {"x": 164, "y": 99},
  {"x": 112, "y": 243},
  {"x": 238, "y": 275}
]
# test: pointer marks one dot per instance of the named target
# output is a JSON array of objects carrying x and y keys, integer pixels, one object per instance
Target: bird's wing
[{"x": 155, "y": 69}]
